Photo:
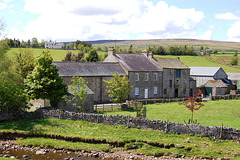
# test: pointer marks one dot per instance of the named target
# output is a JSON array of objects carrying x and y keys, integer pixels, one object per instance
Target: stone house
[
  {"x": 235, "y": 78},
  {"x": 203, "y": 74},
  {"x": 154, "y": 77},
  {"x": 176, "y": 78},
  {"x": 53, "y": 45},
  {"x": 94, "y": 73}
]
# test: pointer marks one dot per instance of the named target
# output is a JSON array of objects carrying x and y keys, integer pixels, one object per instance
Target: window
[
  {"x": 178, "y": 73},
  {"x": 136, "y": 76},
  {"x": 184, "y": 90},
  {"x": 178, "y": 82},
  {"x": 184, "y": 81},
  {"x": 136, "y": 91},
  {"x": 155, "y": 90},
  {"x": 146, "y": 77},
  {"x": 155, "y": 76},
  {"x": 170, "y": 83},
  {"x": 165, "y": 91}
]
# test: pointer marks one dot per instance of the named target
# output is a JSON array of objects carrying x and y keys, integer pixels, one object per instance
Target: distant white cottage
[{"x": 54, "y": 45}]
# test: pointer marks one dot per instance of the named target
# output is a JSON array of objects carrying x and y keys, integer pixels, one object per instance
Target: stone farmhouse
[
  {"x": 151, "y": 78},
  {"x": 53, "y": 45}
]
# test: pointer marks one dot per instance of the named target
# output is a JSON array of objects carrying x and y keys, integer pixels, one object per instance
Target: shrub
[{"x": 12, "y": 98}]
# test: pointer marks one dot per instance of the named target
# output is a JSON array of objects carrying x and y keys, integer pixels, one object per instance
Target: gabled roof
[
  {"x": 204, "y": 71},
  {"x": 214, "y": 83},
  {"x": 136, "y": 62},
  {"x": 171, "y": 63},
  {"x": 233, "y": 76},
  {"x": 84, "y": 69}
]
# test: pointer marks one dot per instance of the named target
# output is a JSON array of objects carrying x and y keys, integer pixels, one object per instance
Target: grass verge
[{"x": 144, "y": 141}]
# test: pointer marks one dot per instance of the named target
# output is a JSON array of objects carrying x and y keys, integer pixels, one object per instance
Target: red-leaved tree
[{"x": 192, "y": 102}]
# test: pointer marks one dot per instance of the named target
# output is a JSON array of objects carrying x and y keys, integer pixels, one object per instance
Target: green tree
[
  {"x": 45, "y": 82},
  {"x": 34, "y": 42},
  {"x": 118, "y": 88},
  {"x": 24, "y": 62},
  {"x": 130, "y": 49},
  {"x": 79, "y": 91},
  {"x": 7, "y": 71},
  {"x": 12, "y": 98},
  {"x": 93, "y": 56},
  {"x": 234, "y": 60}
]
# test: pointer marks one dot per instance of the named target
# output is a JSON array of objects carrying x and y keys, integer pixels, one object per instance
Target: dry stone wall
[{"x": 170, "y": 127}]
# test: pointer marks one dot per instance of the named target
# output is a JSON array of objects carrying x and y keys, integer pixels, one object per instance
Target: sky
[{"x": 71, "y": 20}]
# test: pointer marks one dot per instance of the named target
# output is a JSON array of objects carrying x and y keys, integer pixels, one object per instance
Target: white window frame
[
  {"x": 146, "y": 76},
  {"x": 155, "y": 90},
  {"x": 136, "y": 91},
  {"x": 136, "y": 76},
  {"x": 184, "y": 81},
  {"x": 155, "y": 76}
]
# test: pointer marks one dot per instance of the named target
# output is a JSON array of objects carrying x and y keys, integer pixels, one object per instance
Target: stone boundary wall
[
  {"x": 226, "y": 97},
  {"x": 171, "y": 127}
]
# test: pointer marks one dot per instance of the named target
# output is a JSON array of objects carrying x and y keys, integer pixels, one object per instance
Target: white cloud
[
  {"x": 107, "y": 19},
  {"x": 205, "y": 36},
  {"x": 19, "y": 22},
  {"x": 7, "y": 0},
  {"x": 234, "y": 32},
  {"x": 226, "y": 16},
  {"x": 3, "y": 5}
]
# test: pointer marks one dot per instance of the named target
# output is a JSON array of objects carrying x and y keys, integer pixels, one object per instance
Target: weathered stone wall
[
  {"x": 171, "y": 127},
  {"x": 142, "y": 84}
]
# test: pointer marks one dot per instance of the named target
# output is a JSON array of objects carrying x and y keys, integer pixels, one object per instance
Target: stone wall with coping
[{"x": 170, "y": 127}]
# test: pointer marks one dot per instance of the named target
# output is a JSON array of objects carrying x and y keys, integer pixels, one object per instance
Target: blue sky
[{"x": 69, "y": 20}]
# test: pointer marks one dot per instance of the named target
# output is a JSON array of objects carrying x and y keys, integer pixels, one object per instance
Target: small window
[
  {"x": 170, "y": 83},
  {"x": 178, "y": 73},
  {"x": 155, "y": 90},
  {"x": 178, "y": 82},
  {"x": 184, "y": 81},
  {"x": 155, "y": 76},
  {"x": 165, "y": 91},
  {"x": 136, "y": 76},
  {"x": 146, "y": 76},
  {"x": 184, "y": 90},
  {"x": 136, "y": 91}
]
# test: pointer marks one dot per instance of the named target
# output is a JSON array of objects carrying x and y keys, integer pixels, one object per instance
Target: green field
[
  {"x": 214, "y": 113},
  {"x": 199, "y": 61},
  {"x": 133, "y": 139}
]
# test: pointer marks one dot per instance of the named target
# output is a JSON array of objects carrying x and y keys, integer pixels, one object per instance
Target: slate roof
[
  {"x": 84, "y": 69},
  {"x": 171, "y": 63},
  {"x": 233, "y": 76},
  {"x": 204, "y": 71},
  {"x": 136, "y": 62},
  {"x": 214, "y": 83},
  {"x": 89, "y": 91}
]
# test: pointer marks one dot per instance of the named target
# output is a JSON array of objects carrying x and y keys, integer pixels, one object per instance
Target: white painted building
[{"x": 54, "y": 45}]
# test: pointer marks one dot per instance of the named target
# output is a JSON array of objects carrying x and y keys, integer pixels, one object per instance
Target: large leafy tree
[
  {"x": 24, "y": 62},
  {"x": 93, "y": 56},
  {"x": 45, "y": 82},
  {"x": 118, "y": 88}
]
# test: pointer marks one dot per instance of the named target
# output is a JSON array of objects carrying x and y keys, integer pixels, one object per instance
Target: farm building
[
  {"x": 53, "y": 45},
  {"x": 235, "y": 78},
  {"x": 214, "y": 88},
  {"x": 203, "y": 74},
  {"x": 94, "y": 73}
]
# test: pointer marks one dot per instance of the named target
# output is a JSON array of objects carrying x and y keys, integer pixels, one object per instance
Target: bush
[{"x": 12, "y": 98}]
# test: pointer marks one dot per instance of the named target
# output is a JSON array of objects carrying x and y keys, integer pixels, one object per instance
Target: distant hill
[{"x": 168, "y": 42}]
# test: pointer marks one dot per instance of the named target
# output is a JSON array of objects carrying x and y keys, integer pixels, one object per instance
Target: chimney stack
[{"x": 111, "y": 51}]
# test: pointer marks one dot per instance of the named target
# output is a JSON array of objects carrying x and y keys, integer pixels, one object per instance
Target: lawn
[
  {"x": 214, "y": 113},
  {"x": 135, "y": 140}
]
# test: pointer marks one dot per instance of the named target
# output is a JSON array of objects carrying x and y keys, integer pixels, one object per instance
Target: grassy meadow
[
  {"x": 219, "y": 60},
  {"x": 214, "y": 113},
  {"x": 135, "y": 140}
]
